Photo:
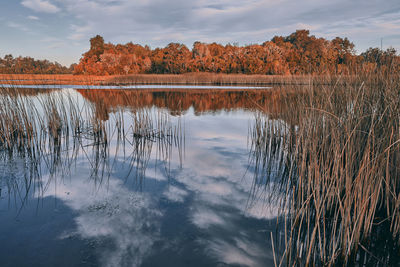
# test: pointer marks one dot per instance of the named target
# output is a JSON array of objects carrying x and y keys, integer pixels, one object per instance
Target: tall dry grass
[
  {"x": 205, "y": 78},
  {"x": 48, "y": 132},
  {"x": 334, "y": 163},
  {"x": 195, "y": 78},
  {"x": 51, "y": 79}
]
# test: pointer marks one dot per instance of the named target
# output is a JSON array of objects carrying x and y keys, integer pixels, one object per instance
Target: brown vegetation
[
  {"x": 28, "y": 65},
  {"x": 57, "y": 79},
  {"x": 51, "y": 130},
  {"x": 298, "y": 53},
  {"x": 203, "y": 78},
  {"x": 336, "y": 174},
  {"x": 172, "y": 79},
  {"x": 51, "y": 119}
]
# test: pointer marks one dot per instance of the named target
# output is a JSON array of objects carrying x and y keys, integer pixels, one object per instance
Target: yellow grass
[{"x": 186, "y": 79}]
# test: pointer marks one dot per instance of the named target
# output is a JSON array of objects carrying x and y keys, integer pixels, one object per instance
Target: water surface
[
  {"x": 121, "y": 87},
  {"x": 178, "y": 201}
]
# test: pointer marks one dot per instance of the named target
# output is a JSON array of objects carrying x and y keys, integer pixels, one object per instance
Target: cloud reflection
[
  {"x": 175, "y": 194},
  {"x": 128, "y": 219},
  {"x": 239, "y": 252},
  {"x": 210, "y": 190},
  {"x": 213, "y": 174}
]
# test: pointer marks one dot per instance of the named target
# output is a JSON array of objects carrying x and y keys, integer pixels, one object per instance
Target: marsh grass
[
  {"x": 199, "y": 78},
  {"x": 51, "y": 79},
  {"x": 338, "y": 176},
  {"x": 50, "y": 132},
  {"x": 194, "y": 78},
  {"x": 205, "y": 78}
]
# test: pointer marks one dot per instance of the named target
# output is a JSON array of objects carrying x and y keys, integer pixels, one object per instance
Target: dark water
[{"x": 185, "y": 202}]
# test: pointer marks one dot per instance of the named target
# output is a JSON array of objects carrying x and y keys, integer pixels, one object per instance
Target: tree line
[
  {"x": 28, "y": 65},
  {"x": 298, "y": 53}
]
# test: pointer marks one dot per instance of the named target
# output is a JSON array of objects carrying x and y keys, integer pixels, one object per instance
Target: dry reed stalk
[
  {"x": 51, "y": 130},
  {"x": 340, "y": 180},
  {"x": 221, "y": 79}
]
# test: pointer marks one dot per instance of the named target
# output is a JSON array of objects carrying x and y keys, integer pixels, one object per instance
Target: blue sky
[{"x": 59, "y": 30}]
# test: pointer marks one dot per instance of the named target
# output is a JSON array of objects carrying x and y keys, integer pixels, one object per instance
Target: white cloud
[
  {"x": 17, "y": 26},
  {"x": 157, "y": 22},
  {"x": 40, "y": 6},
  {"x": 33, "y": 17}
]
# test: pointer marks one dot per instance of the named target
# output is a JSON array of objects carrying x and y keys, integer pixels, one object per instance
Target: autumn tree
[
  {"x": 297, "y": 53},
  {"x": 28, "y": 65},
  {"x": 96, "y": 47}
]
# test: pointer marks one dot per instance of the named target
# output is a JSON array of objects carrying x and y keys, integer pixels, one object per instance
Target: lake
[{"x": 137, "y": 178}]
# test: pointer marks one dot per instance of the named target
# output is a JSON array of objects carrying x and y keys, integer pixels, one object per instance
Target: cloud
[
  {"x": 17, "y": 26},
  {"x": 159, "y": 22},
  {"x": 33, "y": 17},
  {"x": 40, "y": 6}
]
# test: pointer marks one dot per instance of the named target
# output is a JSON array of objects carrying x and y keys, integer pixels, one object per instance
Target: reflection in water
[
  {"x": 55, "y": 131},
  {"x": 202, "y": 101},
  {"x": 129, "y": 221},
  {"x": 112, "y": 179}
]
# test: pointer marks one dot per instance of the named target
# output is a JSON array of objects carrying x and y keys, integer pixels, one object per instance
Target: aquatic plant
[
  {"x": 51, "y": 130},
  {"x": 338, "y": 179}
]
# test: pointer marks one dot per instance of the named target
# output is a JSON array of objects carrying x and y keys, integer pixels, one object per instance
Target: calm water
[
  {"x": 122, "y": 87},
  {"x": 184, "y": 201}
]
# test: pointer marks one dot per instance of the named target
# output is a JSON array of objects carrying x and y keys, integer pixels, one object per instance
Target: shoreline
[
  {"x": 194, "y": 79},
  {"x": 133, "y": 87}
]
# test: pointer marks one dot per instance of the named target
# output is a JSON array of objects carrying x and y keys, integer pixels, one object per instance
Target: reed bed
[
  {"x": 51, "y": 79},
  {"x": 50, "y": 132},
  {"x": 338, "y": 176},
  {"x": 158, "y": 79},
  {"x": 204, "y": 78},
  {"x": 194, "y": 78}
]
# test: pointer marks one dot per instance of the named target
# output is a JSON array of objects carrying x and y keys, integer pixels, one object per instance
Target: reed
[
  {"x": 51, "y": 131},
  {"x": 51, "y": 79},
  {"x": 338, "y": 177},
  {"x": 205, "y": 78},
  {"x": 195, "y": 78}
]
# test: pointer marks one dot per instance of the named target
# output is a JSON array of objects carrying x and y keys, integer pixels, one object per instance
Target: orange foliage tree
[
  {"x": 28, "y": 65},
  {"x": 298, "y": 53}
]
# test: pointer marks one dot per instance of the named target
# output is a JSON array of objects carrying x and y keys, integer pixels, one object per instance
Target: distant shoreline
[{"x": 166, "y": 79}]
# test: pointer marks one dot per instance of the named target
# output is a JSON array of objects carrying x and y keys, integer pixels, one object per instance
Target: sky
[{"x": 59, "y": 30}]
